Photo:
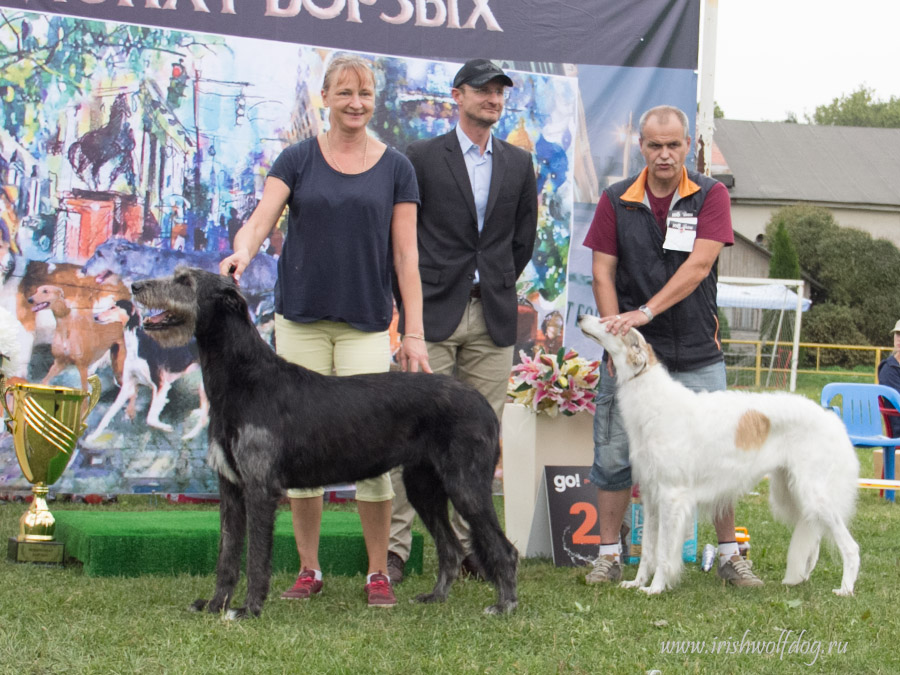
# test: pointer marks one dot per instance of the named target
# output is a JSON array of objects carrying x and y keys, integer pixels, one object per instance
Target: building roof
[{"x": 782, "y": 161}]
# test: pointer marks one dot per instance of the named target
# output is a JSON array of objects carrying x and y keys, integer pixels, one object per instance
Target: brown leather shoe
[
  {"x": 471, "y": 569},
  {"x": 395, "y": 568}
]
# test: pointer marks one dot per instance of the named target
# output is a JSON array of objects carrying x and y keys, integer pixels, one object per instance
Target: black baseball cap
[{"x": 478, "y": 72}]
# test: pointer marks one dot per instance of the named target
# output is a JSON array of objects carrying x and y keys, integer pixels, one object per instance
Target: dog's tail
[
  {"x": 781, "y": 497},
  {"x": 801, "y": 491}
]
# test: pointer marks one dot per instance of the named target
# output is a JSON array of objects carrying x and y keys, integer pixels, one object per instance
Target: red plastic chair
[{"x": 887, "y": 411}]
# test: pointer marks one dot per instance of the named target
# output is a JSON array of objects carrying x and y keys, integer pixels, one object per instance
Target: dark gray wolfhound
[{"x": 274, "y": 425}]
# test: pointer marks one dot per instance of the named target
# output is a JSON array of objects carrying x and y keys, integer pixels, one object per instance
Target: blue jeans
[{"x": 612, "y": 469}]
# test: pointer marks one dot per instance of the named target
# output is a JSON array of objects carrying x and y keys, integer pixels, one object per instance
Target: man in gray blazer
[{"x": 476, "y": 231}]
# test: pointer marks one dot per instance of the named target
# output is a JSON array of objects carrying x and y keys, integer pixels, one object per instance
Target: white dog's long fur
[
  {"x": 692, "y": 449},
  {"x": 15, "y": 345}
]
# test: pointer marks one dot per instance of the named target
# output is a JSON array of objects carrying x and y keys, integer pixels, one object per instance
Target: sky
[{"x": 780, "y": 56}]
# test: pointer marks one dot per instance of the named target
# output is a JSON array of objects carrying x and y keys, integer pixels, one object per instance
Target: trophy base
[{"x": 42, "y": 552}]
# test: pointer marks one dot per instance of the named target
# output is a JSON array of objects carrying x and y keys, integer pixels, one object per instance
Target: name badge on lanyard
[{"x": 681, "y": 231}]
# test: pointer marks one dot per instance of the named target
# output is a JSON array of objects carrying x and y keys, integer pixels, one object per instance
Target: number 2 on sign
[{"x": 581, "y": 536}]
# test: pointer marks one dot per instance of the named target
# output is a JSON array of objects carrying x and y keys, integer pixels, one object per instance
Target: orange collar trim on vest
[{"x": 636, "y": 191}]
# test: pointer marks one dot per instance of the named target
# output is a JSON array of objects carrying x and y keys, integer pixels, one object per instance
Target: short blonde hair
[{"x": 344, "y": 62}]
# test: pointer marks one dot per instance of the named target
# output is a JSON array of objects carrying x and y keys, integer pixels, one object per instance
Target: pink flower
[{"x": 552, "y": 384}]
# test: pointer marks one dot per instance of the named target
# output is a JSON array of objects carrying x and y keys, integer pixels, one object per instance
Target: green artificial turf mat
[{"x": 186, "y": 542}]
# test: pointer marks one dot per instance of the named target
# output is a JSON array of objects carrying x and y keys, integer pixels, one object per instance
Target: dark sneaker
[
  {"x": 471, "y": 569},
  {"x": 395, "y": 567},
  {"x": 305, "y": 587},
  {"x": 379, "y": 591},
  {"x": 737, "y": 572},
  {"x": 606, "y": 568}
]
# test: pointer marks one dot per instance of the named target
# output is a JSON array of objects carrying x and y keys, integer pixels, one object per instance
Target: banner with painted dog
[{"x": 136, "y": 135}]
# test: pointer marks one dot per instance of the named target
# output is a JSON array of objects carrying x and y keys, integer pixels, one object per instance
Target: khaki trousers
[
  {"x": 328, "y": 347},
  {"x": 471, "y": 356}
]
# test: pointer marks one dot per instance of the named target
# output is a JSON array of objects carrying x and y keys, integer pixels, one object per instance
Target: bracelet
[{"x": 417, "y": 336}]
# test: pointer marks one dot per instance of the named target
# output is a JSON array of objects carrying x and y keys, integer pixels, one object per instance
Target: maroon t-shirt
[{"x": 713, "y": 221}]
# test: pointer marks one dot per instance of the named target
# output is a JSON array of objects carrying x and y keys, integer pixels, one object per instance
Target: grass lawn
[{"x": 59, "y": 621}]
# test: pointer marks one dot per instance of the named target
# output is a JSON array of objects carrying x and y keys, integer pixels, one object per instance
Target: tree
[
  {"x": 718, "y": 113},
  {"x": 858, "y": 273},
  {"x": 859, "y": 109},
  {"x": 806, "y": 227},
  {"x": 784, "y": 263}
]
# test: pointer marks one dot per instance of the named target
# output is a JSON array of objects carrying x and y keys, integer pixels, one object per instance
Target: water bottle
[
  {"x": 709, "y": 557},
  {"x": 742, "y": 536}
]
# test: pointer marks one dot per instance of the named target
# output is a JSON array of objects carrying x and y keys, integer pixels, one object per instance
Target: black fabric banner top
[{"x": 642, "y": 33}]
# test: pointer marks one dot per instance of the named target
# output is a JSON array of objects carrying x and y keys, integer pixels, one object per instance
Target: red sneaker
[
  {"x": 305, "y": 587},
  {"x": 379, "y": 591}
]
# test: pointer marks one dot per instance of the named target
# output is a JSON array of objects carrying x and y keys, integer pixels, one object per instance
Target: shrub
[
  {"x": 855, "y": 270},
  {"x": 833, "y": 324}
]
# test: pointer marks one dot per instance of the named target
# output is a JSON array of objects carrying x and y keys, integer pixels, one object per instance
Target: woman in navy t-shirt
[{"x": 352, "y": 221}]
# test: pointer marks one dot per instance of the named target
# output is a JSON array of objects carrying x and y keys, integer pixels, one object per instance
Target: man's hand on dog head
[{"x": 622, "y": 323}]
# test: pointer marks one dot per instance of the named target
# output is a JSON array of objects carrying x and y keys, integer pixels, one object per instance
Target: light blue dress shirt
[{"x": 480, "y": 168}]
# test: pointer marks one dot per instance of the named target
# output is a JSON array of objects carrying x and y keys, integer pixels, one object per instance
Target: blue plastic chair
[{"x": 860, "y": 410}]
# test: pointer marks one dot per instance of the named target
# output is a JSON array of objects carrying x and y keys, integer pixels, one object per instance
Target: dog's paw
[
  {"x": 653, "y": 589},
  {"x": 239, "y": 614},
  {"x": 162, "y": 426},
  {"x": 197, "y": 605},
  {"x": 843, "y": 592},
  {"x": 193, "y": 433},
  {"x": 504, "y": 608},
  {"x": 792, "y": 581},
  {"x": 634, "y": 583},
  {"x": 429, "y": 598},
  {"x": 202, "y": 421}
]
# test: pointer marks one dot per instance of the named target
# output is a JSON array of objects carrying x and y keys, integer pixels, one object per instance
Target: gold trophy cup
[{"x": 45, "y": 423}]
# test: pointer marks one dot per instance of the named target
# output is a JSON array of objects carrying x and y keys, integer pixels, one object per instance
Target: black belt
[{"x": 475, "y": 291}]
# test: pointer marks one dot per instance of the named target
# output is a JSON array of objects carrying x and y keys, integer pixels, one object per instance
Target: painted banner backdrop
[{"x": 135, "y": 135}]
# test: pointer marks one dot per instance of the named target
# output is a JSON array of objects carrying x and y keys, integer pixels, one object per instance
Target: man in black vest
[{"x": 656, "y": 238}]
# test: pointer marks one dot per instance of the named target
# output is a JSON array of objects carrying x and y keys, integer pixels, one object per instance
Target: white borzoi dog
[{"x": 690, "y": 449}]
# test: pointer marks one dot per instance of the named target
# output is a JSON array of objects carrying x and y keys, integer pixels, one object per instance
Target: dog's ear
[
  {"x": 638, "y": 354},
  {"x": 651, "y": 355},
  {"x": 232, "y": 297}
]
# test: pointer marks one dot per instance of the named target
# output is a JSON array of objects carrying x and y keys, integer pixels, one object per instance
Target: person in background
[
  {"x": 655, "y": 239},
  {"x": 889, "y": 375},
  {"x": 351, "y": 224},
  {"x": 476, "y": 230}
]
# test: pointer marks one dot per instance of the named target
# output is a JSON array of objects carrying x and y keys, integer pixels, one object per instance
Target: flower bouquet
[{"x": 551, "y": 384}]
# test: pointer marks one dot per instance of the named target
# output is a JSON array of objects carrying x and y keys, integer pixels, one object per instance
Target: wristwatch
[{"x": 647, "y": 312}]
